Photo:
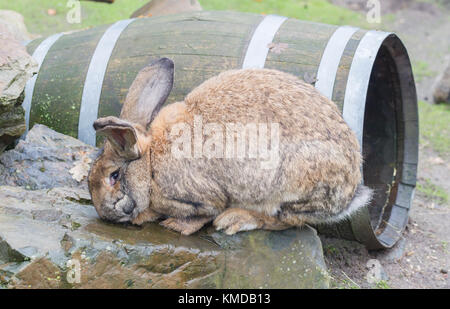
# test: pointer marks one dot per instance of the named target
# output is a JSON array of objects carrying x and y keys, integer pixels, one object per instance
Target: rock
[
  {"x": 394, "y": 254},
  {"x": 14, "y": 23},
  {"x": 8, "y": 254},
  {"x": 50, "y": 238},
  {"x": 376, "y": 272},
  {"x": 44, "y": 160},
  {"x": 441, "y": 93},
  {"x": 16, "y": 68},
  {"x": 166, "y": 7},
  {"x": 261, "y": 259}
]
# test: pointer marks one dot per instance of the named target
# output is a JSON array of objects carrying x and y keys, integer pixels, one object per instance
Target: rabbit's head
[{"x": 119, "y": 179}]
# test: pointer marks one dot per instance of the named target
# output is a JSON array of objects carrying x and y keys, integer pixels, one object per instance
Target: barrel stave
[
  {"x": 298, "y": 47},
  {"x": 345, "y": 63},
  {"x": 59, "y": 85},
  {"x": 201, "y": 57}
]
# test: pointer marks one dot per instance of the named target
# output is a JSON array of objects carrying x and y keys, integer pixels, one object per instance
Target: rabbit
[{"x": 137, "y": 178}]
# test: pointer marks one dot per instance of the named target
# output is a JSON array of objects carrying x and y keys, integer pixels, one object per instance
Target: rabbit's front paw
[
  {"x": 185, "y": 226},
  {"x": 146, "y": 216},
  {"x": 235, "y": 220}
]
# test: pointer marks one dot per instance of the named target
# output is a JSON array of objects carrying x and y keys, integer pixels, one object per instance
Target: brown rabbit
[{"x": 314, "y": 172}]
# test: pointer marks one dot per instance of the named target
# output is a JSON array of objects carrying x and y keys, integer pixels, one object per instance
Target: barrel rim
[{"x": 399, "y": 214}]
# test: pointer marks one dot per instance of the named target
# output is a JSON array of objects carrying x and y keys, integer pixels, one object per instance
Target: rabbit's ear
[
  {"x": 148, "y": 92},
  {"x": 121, "y": 134}
]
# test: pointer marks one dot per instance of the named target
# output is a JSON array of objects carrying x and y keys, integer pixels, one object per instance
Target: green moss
[
  {"x": 42, "y": 168},
  {"x": 80, "y": 200},
  {"x": 433, "y": 191},
  {"x": 75, "y": 225},
  {"x": 435, "y": 126}
]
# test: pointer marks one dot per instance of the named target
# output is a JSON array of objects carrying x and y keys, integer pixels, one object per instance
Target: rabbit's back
[
  {"x": 266, "y": 96},
  {"x": 319, "y": 156},
  {"x": 315, "y": 141}
]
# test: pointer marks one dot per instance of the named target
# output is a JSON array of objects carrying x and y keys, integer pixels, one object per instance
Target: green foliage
[{"x": 434, "y": 121}]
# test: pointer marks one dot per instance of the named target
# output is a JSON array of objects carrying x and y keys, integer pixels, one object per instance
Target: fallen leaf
[
  {"x": 436, "y": 160},
  {"x": 309, "y": 78},
  {"x": 277, "y": 48},
  {"x": 51, "y": 12},
  {"x": 80, "y": 169}
]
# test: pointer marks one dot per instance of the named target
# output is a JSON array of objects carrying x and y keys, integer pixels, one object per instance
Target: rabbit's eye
[{"x": 113, "y": 177}]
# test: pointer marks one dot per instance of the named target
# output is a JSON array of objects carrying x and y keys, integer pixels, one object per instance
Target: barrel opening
[{"x": 391, "y": 96}]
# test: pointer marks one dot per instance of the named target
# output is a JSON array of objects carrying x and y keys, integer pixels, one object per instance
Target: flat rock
[
  {"x": 44, "y": 160},
  {"x": 51, "y": 236},
  {"x": 41, "y": 231}
]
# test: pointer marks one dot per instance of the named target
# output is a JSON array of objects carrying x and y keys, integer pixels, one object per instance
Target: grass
[
  {"x": 433, "y": 191},
  {"x": 434, "y": 123},
  {"x": 311, "y": 10},
  {"x": 38, "y": 21},
  {"x": 92, "y": 13},
  {"x": 330, "y": 250},
  {"x": 382, "y": 284},
  {"x": 421, "y": 70},
  {"x": 343, "y": 282}
]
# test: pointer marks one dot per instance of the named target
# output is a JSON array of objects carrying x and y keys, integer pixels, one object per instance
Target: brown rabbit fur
[{"x": 316, "y": 179}]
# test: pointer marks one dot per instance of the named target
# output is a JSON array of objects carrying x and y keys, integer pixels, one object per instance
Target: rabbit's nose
[{"x": 128, "y": 209}]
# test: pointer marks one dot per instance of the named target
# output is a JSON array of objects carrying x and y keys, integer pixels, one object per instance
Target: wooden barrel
[{"x": 85, "y": 75}]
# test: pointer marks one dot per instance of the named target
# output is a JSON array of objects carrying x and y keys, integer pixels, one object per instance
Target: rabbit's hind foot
[
  {"x": 185, "y": 226},
  {"x": 235, "y": 220}
]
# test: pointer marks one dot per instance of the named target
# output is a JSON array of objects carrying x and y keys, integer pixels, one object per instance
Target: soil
[{"x": 421, "y": 259}]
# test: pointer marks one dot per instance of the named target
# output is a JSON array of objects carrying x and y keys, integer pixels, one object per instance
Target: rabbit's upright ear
[
  {"x": 121, "y": 134},
  {"x": 148, "y": 92}
]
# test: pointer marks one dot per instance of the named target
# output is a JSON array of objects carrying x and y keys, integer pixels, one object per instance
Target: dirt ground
[{"x": 421, "y": 259}]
